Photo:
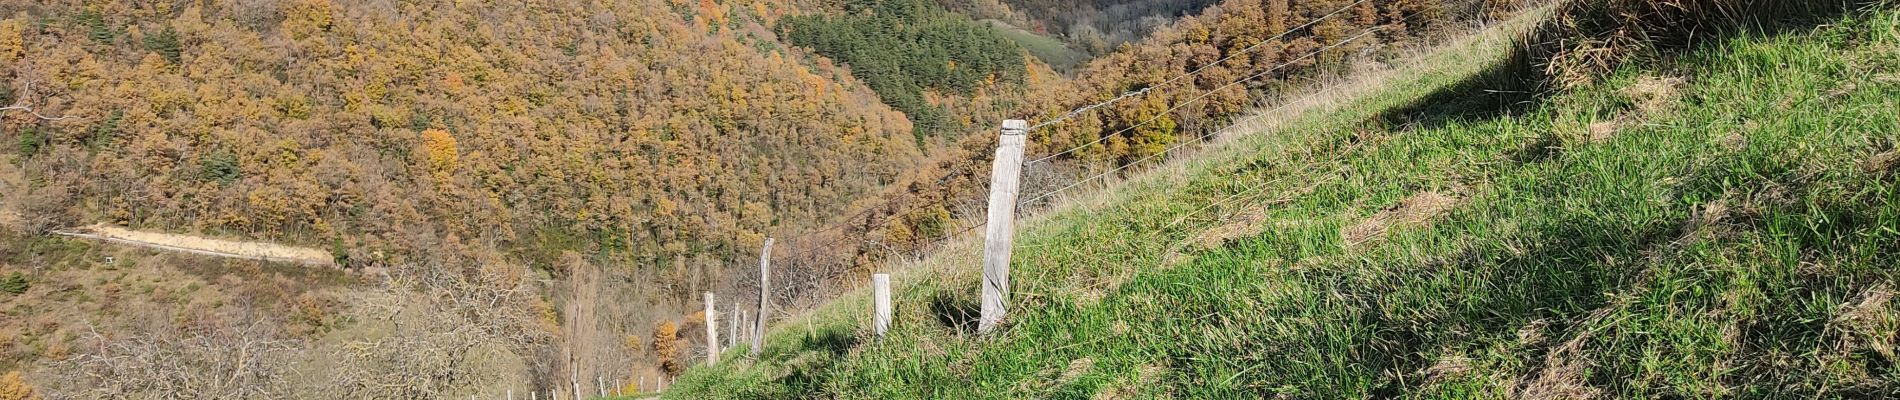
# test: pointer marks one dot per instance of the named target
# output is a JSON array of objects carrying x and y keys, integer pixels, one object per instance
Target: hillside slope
[{"x": 1717, "y": 222}]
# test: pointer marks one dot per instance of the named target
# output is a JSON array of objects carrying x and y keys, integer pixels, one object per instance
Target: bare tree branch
[{"x": 23, "y": 105}]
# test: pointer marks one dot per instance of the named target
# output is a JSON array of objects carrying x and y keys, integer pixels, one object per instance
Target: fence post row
[
  {"x": 881, "y": 304},
  {"x": 765, "y": 299},
  {"x": 1005, "y": 181}
]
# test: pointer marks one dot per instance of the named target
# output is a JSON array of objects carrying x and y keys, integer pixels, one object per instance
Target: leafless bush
[
  {"x": 240, "y": 359},
  {"x": 440, "y": 319}
]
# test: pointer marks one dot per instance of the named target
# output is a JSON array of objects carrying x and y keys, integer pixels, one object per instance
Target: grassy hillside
[
  {"x": 1719, "y": 222},
  {"x": 1057, "y": 54}
]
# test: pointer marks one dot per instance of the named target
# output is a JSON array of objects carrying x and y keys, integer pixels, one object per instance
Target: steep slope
[
  {"x": 1241, "y": 50},
  {"x": 1716, "y": 222}
]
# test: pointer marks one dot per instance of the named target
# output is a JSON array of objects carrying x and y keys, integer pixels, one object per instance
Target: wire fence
[{"x": 811, "y": 246}]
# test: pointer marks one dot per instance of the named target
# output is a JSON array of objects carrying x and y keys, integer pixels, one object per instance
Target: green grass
[
  {"x": 1051, "y": 51},
  {"x": 1731, "y": 239}
]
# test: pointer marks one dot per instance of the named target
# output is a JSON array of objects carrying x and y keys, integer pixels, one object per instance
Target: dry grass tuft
[
  {"x": 1868, "y": 324},
  {"x": 1447, "y": 368},
  {"x": 1564, "y": 373},
  {"x": 1883, "y": 162},
  {"x": 1652, "y": 95},
  {"x": 1413, "y": 211},
  {"x": 1586, "y": 39}
]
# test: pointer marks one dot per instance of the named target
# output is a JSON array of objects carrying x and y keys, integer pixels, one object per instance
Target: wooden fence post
[
  {"x": 745, "y": 333},
  {"x": 732, "y": 326},
  {"x": 511, "y": 394},
  {"x": 1005, "y": 180},
  {"x": 765, "y": 298},
  {"x": 601, "y": 383},
  {"x": 881, "y": 304},
  {"x": 712, "y": 331}
]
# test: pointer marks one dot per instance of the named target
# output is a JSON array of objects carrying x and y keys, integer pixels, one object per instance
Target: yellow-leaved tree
[
  {"x": 13, "y": 387},
  {"x": 439, "y": 151},
  {"x": 666, "y": 348}
]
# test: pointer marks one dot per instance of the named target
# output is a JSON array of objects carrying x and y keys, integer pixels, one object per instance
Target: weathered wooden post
[
  {"x": 1005, "y": 180},
  {"x": 511, "y": 394},
  {"x": 601, "y": 383},
  {"x": 533, "y": 395},
  {"x": 881, "y": 304},
  {"x": 712, "y": 331},
  {"x": 642, "y": 388},
  {"x": 732, "y": 326},
  {"x": 765, "y": 297}
]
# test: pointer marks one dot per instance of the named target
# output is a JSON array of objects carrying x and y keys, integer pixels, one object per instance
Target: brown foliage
[
  {"x": 13, "y": 387},
  {"x": 666, "y": 348},
  {"x": 533, "y": 128}
]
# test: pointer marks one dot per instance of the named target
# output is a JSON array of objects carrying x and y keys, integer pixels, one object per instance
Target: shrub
[
  {"x": 15, "y": 284},
  {"x": 13, "y": 387},
  {"x": 31, "y": 140},
  {"x": 220, "y": 166},
  {"x": 165, "y": 43},
  {"x": 666, "y": 348}
]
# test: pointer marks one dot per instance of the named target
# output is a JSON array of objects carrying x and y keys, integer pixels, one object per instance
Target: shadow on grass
[
  {"x": 1506, "y": 88},
  {"x": 954, "y": 312}
]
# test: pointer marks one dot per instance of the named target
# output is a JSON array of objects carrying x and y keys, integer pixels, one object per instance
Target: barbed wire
[
  {"x": 808, "y": 247},
  {"x": 1202, "y": 137}
]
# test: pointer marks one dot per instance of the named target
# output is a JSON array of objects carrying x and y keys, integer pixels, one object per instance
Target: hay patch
[
  {"x": 1447, "y": 368},
  {"x": 1246, "y": 223},
  {"x": 1882, "y": 163},
  {"x": 1868, "y": 324},
  {"x": 1603, "y": 130},
  {"x": 1077, "y": 368},
  {"x": 1563, "y": 375},
  {"x": 1131, "y": 388},
  {"x": 1651, "y": 95},
  {"x": 1414, "y": 211}
]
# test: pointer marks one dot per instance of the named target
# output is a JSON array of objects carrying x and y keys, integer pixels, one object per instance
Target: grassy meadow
[{"x": 1723, "y": 221}]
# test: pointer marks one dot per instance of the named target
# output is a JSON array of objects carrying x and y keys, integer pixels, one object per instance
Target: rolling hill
[{"x": 1620, "y": 204}]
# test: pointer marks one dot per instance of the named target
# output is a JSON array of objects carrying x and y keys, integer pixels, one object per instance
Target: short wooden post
[
  {"x": 1005, "y": 180},
  {"x": 601, "y": 383},
  {"x": 732, "y": 326},
  {"x": 881, "y": 304},
  {"x": 576, "y": 379},
  {"x": 533, "y": 395},
  {"x": 765, "y": 297},
  {"x": 712, "y": 331},
  {"x": 619, "y": 390},
  {"x": 642, "y": 388},
  {"x": 511, "y": 394}
]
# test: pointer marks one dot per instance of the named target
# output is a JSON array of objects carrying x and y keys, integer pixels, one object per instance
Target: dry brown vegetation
[{"x": 1589, "y": 38}]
